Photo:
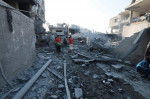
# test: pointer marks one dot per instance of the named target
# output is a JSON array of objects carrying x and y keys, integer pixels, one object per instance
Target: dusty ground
[{"x": 98, "y": 80}]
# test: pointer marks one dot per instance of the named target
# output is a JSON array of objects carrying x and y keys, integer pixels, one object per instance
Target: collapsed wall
[
  {"x": 133, "y": 48},
  {"x": 17, "y": 42}
]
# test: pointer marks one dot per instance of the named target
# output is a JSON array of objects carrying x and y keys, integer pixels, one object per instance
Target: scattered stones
[
  {"x": 70, "y": 80},
  {"x": 54, "y": 96},
  {"x": 128, "y": 97},
  {"x": 87, "y": 73},
  {"x": 120, "y": 90},
  {"x": 74, "y": 56},
  {"x": 44, "y": 75},
  {"x": 108, "y": 74},
  {"x": 110, "y": 80},
  {"x": 107, "y": 83},
  {"x": 61, "y": 86},
  {"x": 83, "y": 65},
  {"x": 116, "y": 77},
  {"x": 95, "y": 76},
  {"x": 23, "y": 79},
  {"x": 111, "y": 91},
  {"x": 125, "y": 83},
  {"x": 117, "y": 67},
  {"x": 78, "y": 93},
  {"x": 16, "y": 89},
  {"x": 59, "y": 67}
]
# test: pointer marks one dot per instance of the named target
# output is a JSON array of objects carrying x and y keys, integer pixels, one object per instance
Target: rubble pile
[{"x": 91, "y": 74}]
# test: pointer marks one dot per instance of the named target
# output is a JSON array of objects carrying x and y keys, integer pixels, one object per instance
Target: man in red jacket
[
  {"x": 58, "y": 44},
  {"x": 71, "y": 44}
]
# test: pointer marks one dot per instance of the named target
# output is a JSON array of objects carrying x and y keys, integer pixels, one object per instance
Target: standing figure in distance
[
  {"x": 71, "y": 44},
  {"x": 58, "y": 44}
]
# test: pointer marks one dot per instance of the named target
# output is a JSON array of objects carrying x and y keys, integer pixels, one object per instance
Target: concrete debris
[
  {"x": 87, "y": 73},
  {"x": 16, "y": 89},
  {"x": 55, "y": 73},
  {"x": 70, "y": 80},
  {"x": 74, "y": 56},
  {"x": 118, "y": 67},
  {"x": 82, "y": 61},
  {"x": 59, "y": 67},
  {"x": 99, "y": 46},
  {"x": 54, "y": 96},
  {"x": 111, "y": 91},
  {"x": 120, "y": 90},
  {"x": 110, "y": 80},
  {"x": 106, "y": 60},
  {"x": 128, "y": 97},
  {"x": 83, "y": 65},
  {"x": 84, "y": 56},
  {"x": 108, "y": 74},
  {"x": 44, "y": 75},
  {"x": 95, "y": 76},
  {"x": 22, "y": 78},
  {"x": 61, "y": 86},
  {"x": 108, "y": 84},
  {"x": 78, "y": 93}
]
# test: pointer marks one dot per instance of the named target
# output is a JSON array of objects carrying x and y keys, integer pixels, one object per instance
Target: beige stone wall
[{"x": 134, "y": 28}]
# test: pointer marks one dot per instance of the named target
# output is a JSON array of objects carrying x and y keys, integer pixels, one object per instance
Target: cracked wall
[{"x": 17, "y": 48}]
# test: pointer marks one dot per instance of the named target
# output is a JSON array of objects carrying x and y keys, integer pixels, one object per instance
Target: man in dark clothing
[
  {"x": 143, "y": 67},
  {"x": 58, "y": 44}
]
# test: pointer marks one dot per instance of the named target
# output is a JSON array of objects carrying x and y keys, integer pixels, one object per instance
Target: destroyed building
[
  {"x": 17, "y": 33},
  {"x": 133, "y": 25},
  {"x": 116, "y": 23},
  {"x": 132, "y": 20}
]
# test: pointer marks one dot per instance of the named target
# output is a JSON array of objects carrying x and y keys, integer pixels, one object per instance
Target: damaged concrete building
[
  {"x": 116, "y": 23},
  {"x": 17, "y": 33},
  {"x": 133, "y": 25}
]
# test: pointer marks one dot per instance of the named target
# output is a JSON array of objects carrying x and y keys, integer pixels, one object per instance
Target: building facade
[
  {"x": 132, "y": 20},
  {"x": 17, "y": 35}
]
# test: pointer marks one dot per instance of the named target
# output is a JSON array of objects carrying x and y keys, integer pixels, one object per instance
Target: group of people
[
  {"x": 142, "y": 67},
  {"x": 58, "y": 44}
]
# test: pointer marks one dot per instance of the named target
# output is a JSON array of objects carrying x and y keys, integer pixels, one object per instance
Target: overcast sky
[{"x": 91, "y": 14}]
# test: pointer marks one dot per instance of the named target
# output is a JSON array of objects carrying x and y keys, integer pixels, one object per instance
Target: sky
[{"x": 90, "y": 14}]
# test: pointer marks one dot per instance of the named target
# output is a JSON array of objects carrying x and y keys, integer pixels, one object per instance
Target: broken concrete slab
[
  {"x": 106, "y": 60},
  {"x": 54, "y": 96},
  {"x": 110, "y": 80},
  {"x": 120, "y": 90},
  {"x": 99, "y": 46},
  {"x": 74, "y": 56},
  {"x": 78, "y": 93},
  {"x": 83, "y": 55},
  {"x": 55, "y": 73},
  {"x": 87, "y": 73},
  {"x": 108, "y": 74},
  {"x": 117, "y": 67},
  {"x": 61, "y": 86},
  {"x": 95, "y": 76},
  {"x": 82, "y": 61}
]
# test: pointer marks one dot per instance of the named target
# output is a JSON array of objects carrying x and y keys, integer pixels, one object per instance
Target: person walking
[
  {"x": 71, "y": 44},
  {"x": 58, "y": 44},
  {"x": 143, "y": 66}
]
